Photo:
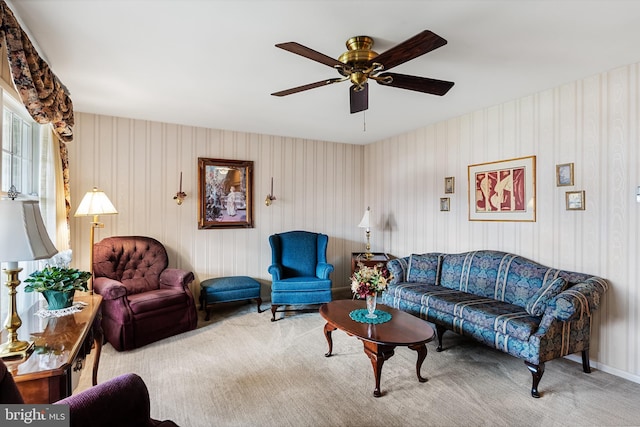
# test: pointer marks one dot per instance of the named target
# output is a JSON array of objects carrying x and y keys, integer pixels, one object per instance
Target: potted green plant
[{"x": 57, "y": 284}]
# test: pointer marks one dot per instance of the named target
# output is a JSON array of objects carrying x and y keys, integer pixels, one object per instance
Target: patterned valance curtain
[{"x": 46, "y": 98}]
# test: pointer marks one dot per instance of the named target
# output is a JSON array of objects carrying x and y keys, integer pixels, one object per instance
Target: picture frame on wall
[
  {"x": 503, "y": 190},
  {"x": 445, "y": 204},
  {"x": 564, "y": 175},
  {"x": 449, "y": 185},
  {"x": 575, "y": 200},
  {"x": 225, "y": 193}
]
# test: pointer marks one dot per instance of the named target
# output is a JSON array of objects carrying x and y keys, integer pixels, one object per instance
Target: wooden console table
[
  {"x": 61, "y": 344},
  {"x": 378, "y": 258}
]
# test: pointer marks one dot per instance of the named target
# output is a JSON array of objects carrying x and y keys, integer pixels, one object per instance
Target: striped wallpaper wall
[
  {"x": 318, "y": 187},
  {"x": 593, "y": 123}
]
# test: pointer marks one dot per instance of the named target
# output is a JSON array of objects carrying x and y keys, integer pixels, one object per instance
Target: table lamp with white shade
[
  {"x": 23, "y": 237},
  {"x": 365, "y": 223}
]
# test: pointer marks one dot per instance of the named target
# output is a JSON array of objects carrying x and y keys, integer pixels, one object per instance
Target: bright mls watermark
[{"x": 34, "y": 415}]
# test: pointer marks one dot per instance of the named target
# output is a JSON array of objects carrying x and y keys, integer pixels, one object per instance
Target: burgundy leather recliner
[{"x": 143, "y": 300}]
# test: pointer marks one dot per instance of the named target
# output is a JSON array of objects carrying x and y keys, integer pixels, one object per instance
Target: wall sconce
[
  {"x": 638, "y": 195},
  {"x": 180, "y": 195},
  {"x": 270, "y": 197}
]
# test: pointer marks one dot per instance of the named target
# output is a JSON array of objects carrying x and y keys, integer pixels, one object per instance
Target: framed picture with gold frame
[
  {"x": 504, "y": 190},
  {"x": 225, "y": 193},
  {"x": 564, "y": 175},
  {"x": 575, "y": 200},
  {"x": 449, "y": 185},
  {"x": 445, "y": 204}
]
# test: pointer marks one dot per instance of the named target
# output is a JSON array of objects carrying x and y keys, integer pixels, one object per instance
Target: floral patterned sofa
[{"x": 505, "y": 301}]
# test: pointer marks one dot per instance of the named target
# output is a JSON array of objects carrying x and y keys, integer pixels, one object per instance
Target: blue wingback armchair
[{"x": 299, "y": 269}]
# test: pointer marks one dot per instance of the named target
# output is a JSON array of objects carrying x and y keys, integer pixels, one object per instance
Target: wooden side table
[
  {"x": 359, "y": 258},
  {"x": 61, "y": 344}
]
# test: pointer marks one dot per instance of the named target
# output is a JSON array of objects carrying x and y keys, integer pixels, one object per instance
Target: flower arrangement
[{"x": 370, "y": 280}]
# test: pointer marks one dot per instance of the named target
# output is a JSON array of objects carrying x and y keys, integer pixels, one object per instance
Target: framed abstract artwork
[
  {"x": 504, "y": 190},
  {"x": 225, "y": 193},
  {"x": 564, "y": 175}
]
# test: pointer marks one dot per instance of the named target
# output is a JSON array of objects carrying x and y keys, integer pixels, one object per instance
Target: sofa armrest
[
  {"x": 398, "y": 268},
  {"x": 121, "y": 401},
  {"x": 176, "y": 278},
  {"x": 323, "y": 270},
  {"x": 276, "y": 271},
  {"x": 579, "y": 300},
  {"x": 109, "y": 289}
]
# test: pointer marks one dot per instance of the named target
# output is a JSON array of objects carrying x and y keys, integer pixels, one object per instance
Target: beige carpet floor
[{"x": 240, "y": 369}]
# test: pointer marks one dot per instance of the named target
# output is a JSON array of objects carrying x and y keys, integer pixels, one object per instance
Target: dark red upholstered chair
[
  {"x": 122, "y": 401},
  {"x": 143, "y": 300}
]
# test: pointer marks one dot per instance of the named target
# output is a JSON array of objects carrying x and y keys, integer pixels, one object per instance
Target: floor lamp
[
  {"x": 23, "y": 237},
  {"x": 94, "y": 203}
]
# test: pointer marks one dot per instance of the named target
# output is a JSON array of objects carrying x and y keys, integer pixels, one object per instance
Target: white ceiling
[{"x": 213, "y": 63}]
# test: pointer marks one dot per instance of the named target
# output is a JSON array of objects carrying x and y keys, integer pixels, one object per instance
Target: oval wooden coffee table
[{"x": 381, "y": 339}]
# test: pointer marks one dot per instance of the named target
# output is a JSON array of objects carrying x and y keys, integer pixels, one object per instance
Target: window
[
  {"x": 20, "y": 149},
  {"x": 20, "y": 166}
]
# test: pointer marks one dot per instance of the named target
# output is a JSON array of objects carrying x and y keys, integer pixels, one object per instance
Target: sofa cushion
[
  {"x": 483, "y": 313},
  {"x": 398, "y": 269},
  {"x": 492, "y": 274},
  {"x": 537, "y": 304},
  {"x": 424, "y": 268}
]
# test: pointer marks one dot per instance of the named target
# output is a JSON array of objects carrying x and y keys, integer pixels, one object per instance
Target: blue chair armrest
[
  {"x": 276, "y": 271},
  {"x": 323, "y": 270}
]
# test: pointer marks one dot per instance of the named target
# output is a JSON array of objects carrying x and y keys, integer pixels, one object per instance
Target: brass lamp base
[
  {"x": 13, "y": 347},
  {"x": 368, "y": 255}
]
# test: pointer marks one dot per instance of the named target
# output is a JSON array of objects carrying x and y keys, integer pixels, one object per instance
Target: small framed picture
[
  {"x": 564, "y": 175},
  {"x": 444, "y": 204},
  {"x": 575, "y": 200},
  {"x": 449, "y": 185}
]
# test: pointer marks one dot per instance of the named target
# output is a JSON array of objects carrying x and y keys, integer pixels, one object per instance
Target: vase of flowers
[{"x": 367, "y": 281}]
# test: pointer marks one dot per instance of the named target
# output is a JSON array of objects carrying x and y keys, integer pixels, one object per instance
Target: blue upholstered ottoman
[{"x": 226, "y": 289}]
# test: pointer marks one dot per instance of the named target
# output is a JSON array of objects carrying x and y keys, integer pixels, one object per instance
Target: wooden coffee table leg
[
  {"x": 328, "y": 328},
  {"x": 378, "y": 354},
  {"x": 422, "y": 354}
]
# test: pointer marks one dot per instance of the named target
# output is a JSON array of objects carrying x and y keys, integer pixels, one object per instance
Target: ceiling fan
[{"x": 360, "y": 64}]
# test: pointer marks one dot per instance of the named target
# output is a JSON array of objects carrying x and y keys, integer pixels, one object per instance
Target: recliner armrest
[
  {"x": 276, "y": 271},
  {"x": 323, "y": 270},
  {"x": 175, "y": 277},
  {"x": 121, "y": 401},
  {"x": 109, "y": 289}
]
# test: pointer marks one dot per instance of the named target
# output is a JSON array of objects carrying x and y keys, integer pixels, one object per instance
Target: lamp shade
[
  {"x": 23, "y": 236},
  {"x": 95, "y": 202},
  {"x": 365, "y": 222}
]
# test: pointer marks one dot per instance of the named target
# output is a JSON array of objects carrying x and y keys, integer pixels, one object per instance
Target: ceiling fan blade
[
  {"x": 359, "y": 100},
  {"x": 417, "y": 45},
  {"x": 419, "y": 84},
  {"x": 301, "y": 50},
  {"x": 308, "y": 86}
]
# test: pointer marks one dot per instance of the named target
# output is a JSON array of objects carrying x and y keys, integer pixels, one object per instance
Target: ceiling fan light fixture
[
  {"x": 359, "y": 64},
  {"x": 359, "y": 51}
]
